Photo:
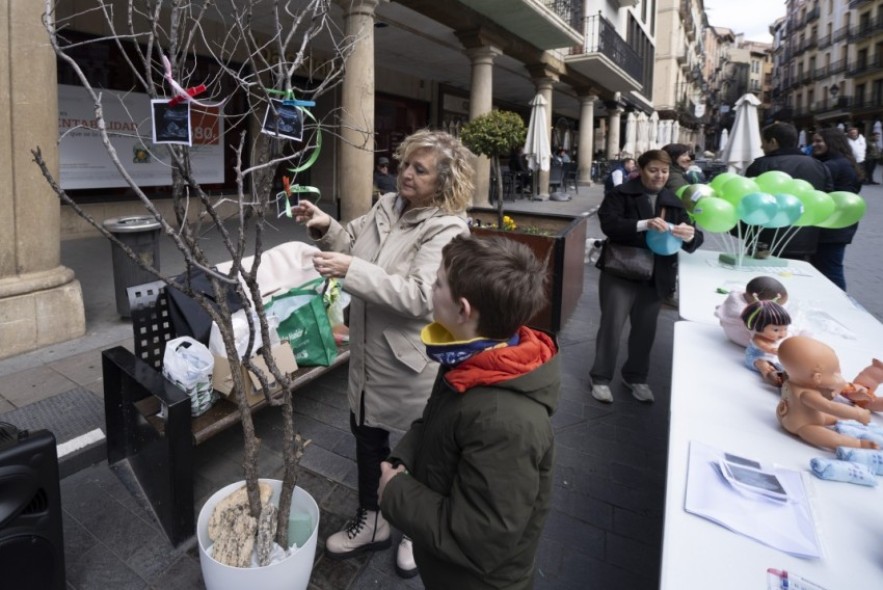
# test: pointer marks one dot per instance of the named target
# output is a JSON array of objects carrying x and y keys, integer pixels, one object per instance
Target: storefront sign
[{"x": 85, "y": 163}]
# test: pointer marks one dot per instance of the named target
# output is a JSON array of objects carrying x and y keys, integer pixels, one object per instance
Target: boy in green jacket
[{"x": 471, "y": 481}]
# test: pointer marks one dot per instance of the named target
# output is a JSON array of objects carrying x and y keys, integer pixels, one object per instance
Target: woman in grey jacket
[{"x": 388, "y": 259}]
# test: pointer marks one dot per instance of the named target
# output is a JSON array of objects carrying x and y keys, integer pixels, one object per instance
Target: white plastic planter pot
[{"x": 292, "y": 573}]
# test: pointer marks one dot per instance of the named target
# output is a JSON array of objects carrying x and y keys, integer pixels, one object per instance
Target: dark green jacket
[{"x": 480, "y": 481}]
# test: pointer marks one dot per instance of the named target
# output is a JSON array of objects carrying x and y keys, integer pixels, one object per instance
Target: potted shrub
[
  {"x": 190, "y": 51},
  {"x": 560, "y": 239},
  {"x": 495, "y": 135}
]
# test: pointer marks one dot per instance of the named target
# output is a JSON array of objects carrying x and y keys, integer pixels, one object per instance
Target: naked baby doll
[
  {"x": 807, "y": 408},
  {"x": 767, "y": 322},
  {"x": 863, "y": 388},
  {"x": 729, "y": 312}
]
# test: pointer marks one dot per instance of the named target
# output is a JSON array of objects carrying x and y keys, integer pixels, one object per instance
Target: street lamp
[{"x": 834, "y": 90}]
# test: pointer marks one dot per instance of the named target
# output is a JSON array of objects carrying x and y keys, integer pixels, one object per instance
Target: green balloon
[
  {"x": 721, "y": 179},
  {"x": 774, "y": 182},
  {"x": 714, "y": 214},
  {"x": 693, "y": 192},
  {"x": 817, "y": 206},
  {"x": 799, "y": 186},
  {"x": 736, "y": 188},
  {"x": 849, "y": 208},
  {"x": 680, "y": 191}
]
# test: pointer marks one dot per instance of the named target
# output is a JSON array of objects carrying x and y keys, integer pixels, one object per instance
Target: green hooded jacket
[{"x": 480, "y": 481}]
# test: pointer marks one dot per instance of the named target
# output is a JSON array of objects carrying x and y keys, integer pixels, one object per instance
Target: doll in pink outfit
[
  {"x": 767, "y": 322},
  {"x": 729, "y": 312}
]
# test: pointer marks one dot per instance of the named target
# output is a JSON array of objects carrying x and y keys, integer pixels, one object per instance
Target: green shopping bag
[{"x": 303, "y": 322}]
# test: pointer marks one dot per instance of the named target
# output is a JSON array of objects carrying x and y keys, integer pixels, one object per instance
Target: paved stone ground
[{"x": 605, "y": 528}]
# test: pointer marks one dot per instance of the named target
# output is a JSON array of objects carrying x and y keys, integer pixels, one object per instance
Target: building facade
[{"x": 417, "y": 63}]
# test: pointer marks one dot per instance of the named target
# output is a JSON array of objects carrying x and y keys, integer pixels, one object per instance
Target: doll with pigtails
[{"x": 767, "y": 322}]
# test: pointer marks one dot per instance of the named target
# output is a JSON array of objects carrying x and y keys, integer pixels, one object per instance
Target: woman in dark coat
[
  {"x": 631, "y": 209},
  {"x": 831, "y": 147}
]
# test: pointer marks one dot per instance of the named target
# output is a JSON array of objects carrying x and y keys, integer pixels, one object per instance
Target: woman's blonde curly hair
[{"x": 456, "y": 173}]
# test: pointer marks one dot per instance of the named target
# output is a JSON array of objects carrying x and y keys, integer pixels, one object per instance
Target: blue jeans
[{"x": 828, "y": 259}]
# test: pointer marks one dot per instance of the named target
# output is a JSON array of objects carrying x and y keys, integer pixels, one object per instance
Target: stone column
[
  {"x": 586, "y": 138},
  {"x": 356, "y": 163},
  {"x": 41, "y": 302},
  {"x": 481, "y": 100},
  {"x": 613, "y": 131}
]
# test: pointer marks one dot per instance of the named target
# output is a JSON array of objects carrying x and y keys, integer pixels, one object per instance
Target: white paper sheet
[{"x": 788, "y": 526}]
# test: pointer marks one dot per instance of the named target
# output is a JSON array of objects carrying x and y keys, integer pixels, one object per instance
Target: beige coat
[{"x": 390, "y": 278}]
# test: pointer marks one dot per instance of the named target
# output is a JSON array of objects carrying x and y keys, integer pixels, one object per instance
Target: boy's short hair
[{"x": 501, "y": 278}]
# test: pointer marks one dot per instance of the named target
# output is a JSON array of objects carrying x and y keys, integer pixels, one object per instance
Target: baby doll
[
  {"x": 862, "y": 390},
  {"x": 730, "y": 311},
  {"x": 767, "y": 322},
  {"x": 813, "y": 379}
]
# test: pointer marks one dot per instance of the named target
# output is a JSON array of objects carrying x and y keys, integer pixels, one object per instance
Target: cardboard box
[{"x": 222, "y": 378}]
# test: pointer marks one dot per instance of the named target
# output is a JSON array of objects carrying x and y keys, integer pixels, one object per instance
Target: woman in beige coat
[{"x": 388, "y": 259}]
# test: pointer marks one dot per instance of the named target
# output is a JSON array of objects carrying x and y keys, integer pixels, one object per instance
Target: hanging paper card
[
  {"x": 171, "y": 124},
  {"x": 283, "y": 120}
]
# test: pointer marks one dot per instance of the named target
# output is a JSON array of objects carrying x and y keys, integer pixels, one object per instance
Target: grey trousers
[{"x": 620, "y": 300}]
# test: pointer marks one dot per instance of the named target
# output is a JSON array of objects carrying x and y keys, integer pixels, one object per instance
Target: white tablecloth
[
  {"x": 824, "y": 310},
  {"x": 719, "y": 402}
]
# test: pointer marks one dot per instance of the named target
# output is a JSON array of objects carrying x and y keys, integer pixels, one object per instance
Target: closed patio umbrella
[
  {"x": 536, "y": 146},
  {"x": 725, "y": 137},
  {"x": 743, "y": 146}
]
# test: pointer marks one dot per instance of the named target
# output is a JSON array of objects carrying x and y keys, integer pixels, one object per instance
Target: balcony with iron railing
[
  {"x": 824, "y": 41},
  {"x": 813, "y": 14},
  {"x": 821, "y": 72},
  {"x": 606, "y": 57},
  {"x": 858, "y": 3},
  {"x": 545, "y": 24},
  {"x": 867, "y": 28},
  {"x": 837, "y": 67},
  {"x": 839, "y": 34},
  {"x": 868, "y": 65}
]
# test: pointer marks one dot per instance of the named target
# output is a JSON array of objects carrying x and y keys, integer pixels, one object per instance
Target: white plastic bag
[
  {"x": 240, "y": 332},
  {"x": 188, "y": 364}
]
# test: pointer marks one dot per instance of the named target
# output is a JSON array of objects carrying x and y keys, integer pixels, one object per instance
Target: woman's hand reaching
[
  {"x": 316, "y": 220},
  {"x": 332, "y": 265}
]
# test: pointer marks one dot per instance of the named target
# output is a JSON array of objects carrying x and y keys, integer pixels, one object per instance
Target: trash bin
[{"x": 141, "y": 234}]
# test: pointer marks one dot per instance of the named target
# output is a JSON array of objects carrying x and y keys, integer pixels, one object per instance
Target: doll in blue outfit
[{"x": 768, "y": 322}]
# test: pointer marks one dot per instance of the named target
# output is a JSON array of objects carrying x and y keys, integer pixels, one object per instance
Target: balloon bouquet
[{"x": 772, "y": 200}]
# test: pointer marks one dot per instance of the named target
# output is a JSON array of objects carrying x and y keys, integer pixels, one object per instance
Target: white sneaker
[
  {"x": 368, "y": 531},
  {"x": 640, "y": 391},
  {"x": 602, "y": 393},
  {"x": 406, "y": 567}
]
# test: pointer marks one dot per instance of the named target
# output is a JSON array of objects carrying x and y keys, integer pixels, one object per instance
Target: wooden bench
[{"x": 159, "y": 451}]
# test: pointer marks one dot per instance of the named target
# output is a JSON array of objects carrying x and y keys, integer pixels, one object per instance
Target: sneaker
[
  {"x": 406, "y": 567},
  {"x": 368, "y": 531},
  {"x": 640, "y": 391},
  {"x": 602, "y": 393}
]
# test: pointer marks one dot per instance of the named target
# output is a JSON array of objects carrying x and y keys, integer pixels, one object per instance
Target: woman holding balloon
[
  {"x": 831, "y": 147},
  {"x": 644, "y": 215}
]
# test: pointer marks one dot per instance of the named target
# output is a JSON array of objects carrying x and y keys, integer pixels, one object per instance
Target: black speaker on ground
[{"x": 31, "y": 541}]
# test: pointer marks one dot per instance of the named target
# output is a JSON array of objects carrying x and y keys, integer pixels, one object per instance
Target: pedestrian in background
[
  {"x": 779, "y": 143},
  {"x": 858, "y": 144},
  {"x": 832, "y": 147},
  {"x": 873, "y": 155},
  {"x": 384, "y": 182}
]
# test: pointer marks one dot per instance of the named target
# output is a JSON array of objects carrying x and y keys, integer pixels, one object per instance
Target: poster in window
[
  {"x": 286, "y": 122},
  {"x": 171, "y": 124}
]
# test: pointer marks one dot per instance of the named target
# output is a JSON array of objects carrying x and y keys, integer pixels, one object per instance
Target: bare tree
[{"x": 256, "y": 48}]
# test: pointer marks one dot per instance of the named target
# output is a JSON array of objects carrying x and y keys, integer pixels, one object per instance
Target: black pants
[
  {"x": 870, "y": 166},
  {"x": 372, "y": 448}
]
